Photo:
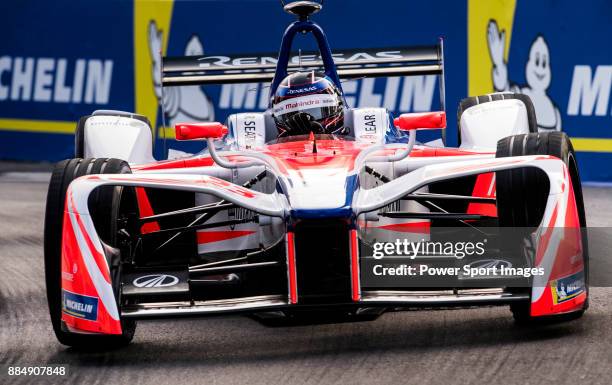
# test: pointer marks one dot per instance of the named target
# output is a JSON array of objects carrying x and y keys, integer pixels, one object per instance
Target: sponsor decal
[
  {"x": 67, "y": 276},
  {"x": 304, "y": 102},
  {"x": 301, "y": 90},
  {"x": 250, "y": 130},
  {"x": 566, "y": 288},
  {"x": 80, "y": 306},
  {"x": 490, "y": 264},
  {"x": 370, "y": 124},
  {"x": 156, "y": 280},
  {"x": 308, "y": 59},
  {"x": 369, "y": 121}
]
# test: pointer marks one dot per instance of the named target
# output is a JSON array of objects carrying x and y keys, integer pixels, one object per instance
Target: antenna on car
[
  {"x": 302, "y": 9},
  {"x": 300, "y": 58}
]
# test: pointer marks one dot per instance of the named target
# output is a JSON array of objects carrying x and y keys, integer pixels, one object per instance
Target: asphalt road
[{"x": 425, "y": 347}]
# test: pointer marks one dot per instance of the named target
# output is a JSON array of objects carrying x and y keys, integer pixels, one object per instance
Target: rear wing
[
  {"x": 272, "y": 68},
  {"x": 260, "y": 68}
]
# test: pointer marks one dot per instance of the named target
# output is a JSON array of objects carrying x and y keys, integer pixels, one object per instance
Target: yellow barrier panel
[
  {"x": 151, "y": 30},
  {"x": 480, "y": 12},
  {"x": 42, "y": 126},
  {"x": 592, "y": 144}
]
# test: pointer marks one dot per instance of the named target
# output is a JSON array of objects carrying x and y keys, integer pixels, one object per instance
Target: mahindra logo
[
  {"x": 155, "y": 280},
  {"x": 490, "y": 263}
]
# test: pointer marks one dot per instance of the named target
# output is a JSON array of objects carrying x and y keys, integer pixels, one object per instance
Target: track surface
[{"x": 437, "y": 347}]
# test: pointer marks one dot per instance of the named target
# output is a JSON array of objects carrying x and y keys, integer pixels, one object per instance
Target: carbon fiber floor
[{"x": 437, "y": 347}]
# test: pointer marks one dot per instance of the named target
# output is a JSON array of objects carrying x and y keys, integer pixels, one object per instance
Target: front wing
[{"x": 90, "y": 297}]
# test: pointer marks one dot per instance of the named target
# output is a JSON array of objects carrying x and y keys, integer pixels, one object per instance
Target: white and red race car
[{"x": 286, "y": 227}]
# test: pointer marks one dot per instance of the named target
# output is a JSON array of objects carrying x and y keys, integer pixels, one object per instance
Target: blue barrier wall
[{"x": 60, "y": 60}]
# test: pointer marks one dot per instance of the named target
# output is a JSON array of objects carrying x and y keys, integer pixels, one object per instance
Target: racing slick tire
[
  {"x": 104, "y": 205},
  {"x": 522, "y": 196},
  {"x": 79, "y": 138}
]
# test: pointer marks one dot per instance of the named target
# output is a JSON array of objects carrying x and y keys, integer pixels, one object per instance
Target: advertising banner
[{"x": 62, "y": 60}]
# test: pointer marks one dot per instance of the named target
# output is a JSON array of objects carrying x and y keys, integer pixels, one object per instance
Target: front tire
[
  {"x": 104, "y": 204},
  {"x": 521, "y": 200}
]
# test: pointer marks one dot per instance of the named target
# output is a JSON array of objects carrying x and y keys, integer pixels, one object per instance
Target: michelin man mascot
[
  {"x": 189, "y": 103},
  {"x": 537, "y": 73}
]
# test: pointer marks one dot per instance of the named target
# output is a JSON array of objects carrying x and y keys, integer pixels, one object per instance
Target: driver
[{"x": 308, "y": 101}]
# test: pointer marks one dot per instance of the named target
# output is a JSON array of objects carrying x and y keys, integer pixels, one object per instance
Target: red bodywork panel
[
  {"x": 77, "y": 281},
  {"x": 567, "y": 263},
  {"x": 300, "y": 154}
]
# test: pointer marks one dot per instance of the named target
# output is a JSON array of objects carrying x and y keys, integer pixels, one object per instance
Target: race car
[{"x": 312, "y": 206}]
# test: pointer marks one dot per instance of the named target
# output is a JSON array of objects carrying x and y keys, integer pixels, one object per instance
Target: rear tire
[
  {"x": 522, "y": 196},
  {"x": 79, "y": 138},
  {"x": 103, "y": 204},
  {"x": 471, "y": 101}
]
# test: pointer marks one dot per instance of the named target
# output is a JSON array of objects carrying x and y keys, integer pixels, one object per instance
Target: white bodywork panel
[
  {"x": 368, "y": 200},
  {"x": 248, "y": 130},
  {"x": 370, "y": 124},
  {"x": 267, "y": 204},
  {"x": 484, "y": 124},
  {"x": 317, "y": 189},
  {"x": 118, "y": 137}
]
